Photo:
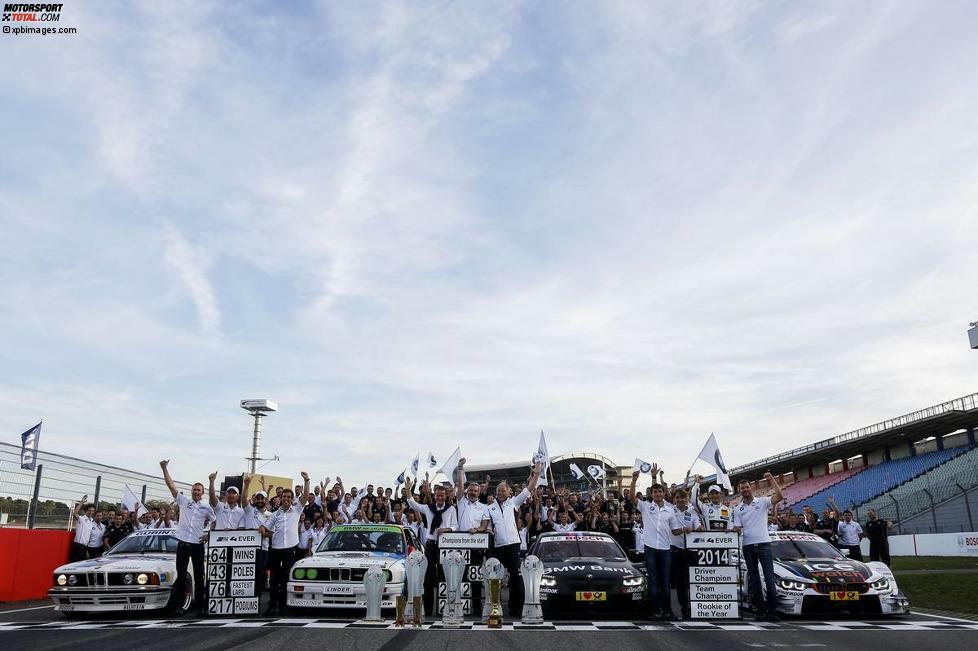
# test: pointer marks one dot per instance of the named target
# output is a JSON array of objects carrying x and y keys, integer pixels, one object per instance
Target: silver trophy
[
  {"x": 492, "y": 569},
  {"x": 417, "y": 566},
  {"x": 374, "y": 582},
  {"x": 532, "y": 574},
  {"x": 453, "y": 567}
]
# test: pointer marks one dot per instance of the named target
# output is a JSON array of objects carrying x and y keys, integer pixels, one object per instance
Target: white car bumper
[
  {"x": 336, "y": 594},
  {"x": 69, "y": 600}
]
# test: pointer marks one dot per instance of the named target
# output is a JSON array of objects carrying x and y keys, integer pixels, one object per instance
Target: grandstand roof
[{"x": 937, "y": 420}]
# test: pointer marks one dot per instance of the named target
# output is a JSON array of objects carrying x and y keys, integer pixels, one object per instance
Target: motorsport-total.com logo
[{"x": 31, "y": 13}]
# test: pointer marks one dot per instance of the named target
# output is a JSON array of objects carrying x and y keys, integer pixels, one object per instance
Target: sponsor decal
[
  {"x": 626, "y": 571},
  {"x": 968, "y": 543}
]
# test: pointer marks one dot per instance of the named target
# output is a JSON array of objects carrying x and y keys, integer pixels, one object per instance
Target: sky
[{"x": 427, "y": 225}]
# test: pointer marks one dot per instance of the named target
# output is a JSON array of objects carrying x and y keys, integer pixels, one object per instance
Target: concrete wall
[{"x": 938, "y": 544}]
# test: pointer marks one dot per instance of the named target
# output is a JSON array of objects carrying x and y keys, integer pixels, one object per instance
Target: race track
[{"x": 36, "y": 626}]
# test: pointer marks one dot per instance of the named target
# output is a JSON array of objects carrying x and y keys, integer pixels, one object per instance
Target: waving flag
[
  {"x": 711, "y": 454},
  {"x": 576, "y": 471},
  {"x": 432, "y": 462},
  {"x": 400, "y": 478},
  {"x": 451, "y": 466},
  {"x": 642, "y": 466},
  {"x": 130, "y": 501},
  {"x": 542, "y": 456},
  {"x": 415, "y": 464},
  {"x": 28, "y": 447},
  {"x": 596, "y": 471}
]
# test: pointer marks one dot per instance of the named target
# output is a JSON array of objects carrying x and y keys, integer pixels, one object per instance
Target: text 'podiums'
[
  {"x": 472, "y": 547},
  {"x": 232, "y": 572},
  {"x": 714, "y": 574}
]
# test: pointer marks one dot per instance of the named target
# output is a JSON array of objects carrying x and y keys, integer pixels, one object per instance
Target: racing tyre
[{"x": 181, "y": 600}]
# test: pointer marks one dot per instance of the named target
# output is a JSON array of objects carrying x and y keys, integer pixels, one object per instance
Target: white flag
[
  {"x": 542, "y": 456},
  {"x": 432, "y": 461},
  {"x": 642, "y": 466},
  {"x": 577, "y": 472},
  {"x": 129, "y": 500},
  {"x": 596, "y": 471},
  {"x": 452, "y": 465},
  {"x": 415, "y": 464},
  {"x": 711, "y": 454}
]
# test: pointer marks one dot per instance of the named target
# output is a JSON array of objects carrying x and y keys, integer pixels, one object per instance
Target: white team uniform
[{"x": 716, "y": 517}]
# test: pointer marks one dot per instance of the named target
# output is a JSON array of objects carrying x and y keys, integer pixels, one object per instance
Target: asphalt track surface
[{"x": 35, "y": 625}]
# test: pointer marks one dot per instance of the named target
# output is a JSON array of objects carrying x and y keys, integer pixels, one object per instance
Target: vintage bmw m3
[
  {"x": 138, "y": 573},
  {"x": 813, "y": 577},
  {"x": 333, "y": 576},
  {"x": 584, "y": 568}
]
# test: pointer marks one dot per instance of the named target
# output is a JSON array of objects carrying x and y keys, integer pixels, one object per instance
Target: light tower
[{"x": 258, "y": 409}]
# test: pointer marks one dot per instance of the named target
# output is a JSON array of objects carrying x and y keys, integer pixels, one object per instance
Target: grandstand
[
  {"x": 881, "y": 478},
  {"x": 903, "y": 467}
]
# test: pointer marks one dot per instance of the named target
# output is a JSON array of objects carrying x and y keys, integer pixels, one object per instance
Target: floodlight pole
[{"x": 255, "y": 440}]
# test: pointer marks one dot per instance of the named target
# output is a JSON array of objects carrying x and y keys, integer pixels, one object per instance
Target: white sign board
[
  {"x": 232, "y": 572},
  {"x": 714, "y": 576}
]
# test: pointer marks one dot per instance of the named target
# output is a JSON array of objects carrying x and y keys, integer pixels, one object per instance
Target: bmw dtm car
[
  {"x": 585, "y": 568},
  {"x": 813, "y": 577},
  {"x": 333, "y": 576},
  {"x": 138, "y": 573}
]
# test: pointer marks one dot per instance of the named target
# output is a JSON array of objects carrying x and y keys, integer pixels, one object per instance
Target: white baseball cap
[
  {"x": 232, "y": 488},
  {"x": 716, "y": 488},
  {"x": 262, "y": 493}
]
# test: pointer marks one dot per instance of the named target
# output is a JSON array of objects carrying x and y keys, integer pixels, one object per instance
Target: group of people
[
  {"x": 839, "y": 527},
  {"x": 650, "y": 526}
]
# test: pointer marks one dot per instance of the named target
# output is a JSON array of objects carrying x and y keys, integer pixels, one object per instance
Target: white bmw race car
[
  {"x": 139, "y": 573},
  {"x": 333, "y": 576},
  {"x": 813, "y": 577}
]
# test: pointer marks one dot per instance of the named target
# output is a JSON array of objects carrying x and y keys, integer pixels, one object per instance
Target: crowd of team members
[{"x": 293, "y": 521}]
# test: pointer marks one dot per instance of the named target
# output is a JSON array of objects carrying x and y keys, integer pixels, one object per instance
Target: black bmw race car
[{"x": 584, "y": 568}]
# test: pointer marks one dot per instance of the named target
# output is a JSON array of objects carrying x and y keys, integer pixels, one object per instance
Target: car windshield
[
  {"x": 345, "y": 540},
  {"x": 561, "y": 550},
  {"x": 794, "y": 550},
  {"x": 150, "y": 544}
]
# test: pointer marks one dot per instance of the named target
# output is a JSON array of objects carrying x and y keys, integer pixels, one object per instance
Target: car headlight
[
  {"x": 791, "y": 586},
  {"x": 300, "y": 573},
  {"x": 632, "y": 581},
  {"x": 548, "y": 582},
  {"x": 388, "y": 576},
  {"x": 72, "y": 580},
  {"x": 883, "y": 585},
  {"x": 128, "y": 579},
  {"x": 312, "y": 573},
  {"x": 142, "y": 579},
  {"x": 62, "y": 579}
]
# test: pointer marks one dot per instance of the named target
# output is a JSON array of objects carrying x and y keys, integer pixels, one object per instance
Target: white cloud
[{"x": 190, "y": 268}]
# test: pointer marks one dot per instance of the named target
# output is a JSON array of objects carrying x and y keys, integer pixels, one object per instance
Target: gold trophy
[
  {"x": 399, "y": 606},
  {"x": 495, "y": 607},
  {"x": 418, "y": 610}
]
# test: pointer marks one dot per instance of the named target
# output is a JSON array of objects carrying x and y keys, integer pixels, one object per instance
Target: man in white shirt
[
  {"x": 659, "y": 524},
  {"x": 254, "y": 516},
  {"x": 84, "y": 519},
  {"x": 229, "y": 514},
  {"x": 282, "y": 528},
  {"x": 850, "y": 533},
  {"x": 750, "y": 518},
  {"x": 473, "y": 515},
  {"x": 96, "y": 538},
  {"x": 564, "y": 525},
  {"x": 438, "y": 518},
  {"x": 194, "y": 513},
  {"x": 506, "y": 548},
  {"x": 690, "y": 522},
  {"x": 716, "y": 515}
]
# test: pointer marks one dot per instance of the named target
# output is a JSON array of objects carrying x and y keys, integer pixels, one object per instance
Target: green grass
[
  {"x": 956, "y": 593},
  {"x": 934, "y": 563}
]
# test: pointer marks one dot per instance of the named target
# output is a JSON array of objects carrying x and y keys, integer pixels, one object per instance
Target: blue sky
[{"x": 426, "y": 225}]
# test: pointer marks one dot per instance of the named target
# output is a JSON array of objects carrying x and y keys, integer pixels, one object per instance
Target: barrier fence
[{"x": 44, "y": 498}]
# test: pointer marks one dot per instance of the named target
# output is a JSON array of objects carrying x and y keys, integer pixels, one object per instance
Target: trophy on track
[
  {"x": 532, "y": 574},
  {"x": 453, "y": 567},
  {"x": 374, "y": 582},
  {"x": 492, "y": 579},
  {"x": 417, "y": 566},
  {"x": 400, "y": 604}
]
